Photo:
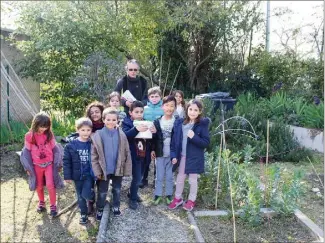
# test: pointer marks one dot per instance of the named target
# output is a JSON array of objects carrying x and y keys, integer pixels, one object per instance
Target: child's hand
[
  {"x": 28, "y": 173},
  {"x": 153, "y": 129},
  {"x": 60, "y": 168},
  {"x": 153, "y": 155},
  {"x": 128, "y": 103},
  {"x": 174, "y": 161},
  {"x": 99, "y": 177},
  {"x": 190, "y": 134},
  {"x": 142, "y": 128},
  {"x": 68, "y": 181}
]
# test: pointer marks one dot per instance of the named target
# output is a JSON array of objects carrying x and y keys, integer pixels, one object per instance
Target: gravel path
[{"x": 148, "y": 223}]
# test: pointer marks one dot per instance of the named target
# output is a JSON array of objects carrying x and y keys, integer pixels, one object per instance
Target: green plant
[
  {"x": 62, "y": 125},
  {"x": 313, "y": 116},
  {"x": 14, "y": 133},
  {"x": 286, "y": 191}
]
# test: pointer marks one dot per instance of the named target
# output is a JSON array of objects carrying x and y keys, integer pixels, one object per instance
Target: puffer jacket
[
  {"x": 72, "y": 166},
  {"x": 152, "y": 112}
]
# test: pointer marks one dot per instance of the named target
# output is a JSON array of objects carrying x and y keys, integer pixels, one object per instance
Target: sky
[{"x": 302, "y": 15}]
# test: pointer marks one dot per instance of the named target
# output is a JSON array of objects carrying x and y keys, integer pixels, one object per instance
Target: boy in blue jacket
[
  {"x": 137, "y": 148},
  {"x": 77, "y": 166},
  {"x": 152, "y": 111}
]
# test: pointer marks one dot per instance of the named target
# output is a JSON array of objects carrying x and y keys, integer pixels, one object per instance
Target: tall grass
[{"x": 14, "y": 134}]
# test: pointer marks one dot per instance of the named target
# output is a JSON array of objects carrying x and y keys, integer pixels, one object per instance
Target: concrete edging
[
  {"x": 197, "y": 232},
  {"x": 314, "y": 229},
  {"x": 101, "y": 236}
]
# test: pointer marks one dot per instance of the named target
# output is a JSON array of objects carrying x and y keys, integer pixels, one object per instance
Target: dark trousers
[
  {"x": 85, "y": 191},
  {"x": 103, "y": 189},
  {"x": 137, "y": 165}
]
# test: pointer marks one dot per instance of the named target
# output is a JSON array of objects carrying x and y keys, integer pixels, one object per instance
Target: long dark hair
[
  {"x": 182, "y": 94},
  {"x": 42, "y": 119},
  {"x": 199, "y": 105}
]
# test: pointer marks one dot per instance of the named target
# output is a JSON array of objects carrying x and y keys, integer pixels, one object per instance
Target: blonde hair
[
  {"x": 110, "y": 110},
  {"x": 83, "y": 121},
  {"x": 154, "y": 90}
]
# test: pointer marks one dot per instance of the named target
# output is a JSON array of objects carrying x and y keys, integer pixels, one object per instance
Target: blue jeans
[
  {"x": 137, "y": 165},
  {"x": 85, "y": 191},
  {"x": 103, "y": 188}
]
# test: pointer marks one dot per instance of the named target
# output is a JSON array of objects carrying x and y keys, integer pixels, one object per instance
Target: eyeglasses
[{"x": 135, "y": 70}]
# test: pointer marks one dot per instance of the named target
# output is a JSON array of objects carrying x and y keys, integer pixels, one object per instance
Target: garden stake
[
  {"x": 175, "y": 78},
  {"x": 166, "y": 77},
  {"x": 266, "y": 196},
  {"x": 320, "y": 181},
  {"x": 218, "y": 176},
  {"x": 230, "y": 185},
  {"x": 161, "y": 54}
]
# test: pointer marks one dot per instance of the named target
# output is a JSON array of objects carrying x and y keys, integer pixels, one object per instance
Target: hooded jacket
[{"x": 195, "y": 146}]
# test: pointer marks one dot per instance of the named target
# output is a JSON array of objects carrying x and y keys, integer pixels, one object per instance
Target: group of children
[{"x": 107, "y": 148}]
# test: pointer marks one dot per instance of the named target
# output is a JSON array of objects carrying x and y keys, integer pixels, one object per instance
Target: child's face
[
  {"x": 84, "y": 132},
  {"x": 178, "y": 98},
  {"x": 41, "y": 130},
  {"x": 136, "y": 113},
  {"x": 114, "y": 102},
  {"x": 154, "y": 98},
  {"x": 193, "y": 112},
  {"x": 111, "y": 121},
  {"x": 95, "y": 114},
  {"x": 169, "y": 108}
]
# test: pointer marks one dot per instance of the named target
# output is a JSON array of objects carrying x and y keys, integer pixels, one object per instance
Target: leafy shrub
[
  {"x": 16, "y": 132},
  {"x": 281, "y": 190}
]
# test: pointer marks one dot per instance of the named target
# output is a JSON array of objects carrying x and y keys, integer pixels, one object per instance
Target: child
[
  {"x": 137, "y": 148},
  {"x": 40, "y": 142},
  {"x": 153, "y": 109},
  {"x": 190, "y": 138},
  {"x": 94, "y": 112},
  {"x": 179, "y": 95},
  {"x": 114, "y": 100},
  {"x": 161, "y": 150},
  {"x": 111, "y": 160},
  {"x": 152, "y": 112},
  {"x": 77, "y": 167}
]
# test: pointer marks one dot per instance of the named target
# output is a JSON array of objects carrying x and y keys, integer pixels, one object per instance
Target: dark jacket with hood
[
  {"x": 72, "y": 166},
  {"x": 195, "y": 146},
  {"x": 157, "y": 143}
]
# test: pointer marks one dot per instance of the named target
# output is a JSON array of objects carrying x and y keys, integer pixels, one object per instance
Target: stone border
[
  {"x": 197, "y": 232},
  {"x": 101, "y": 236},
  {"x": 314, "y": 229}
]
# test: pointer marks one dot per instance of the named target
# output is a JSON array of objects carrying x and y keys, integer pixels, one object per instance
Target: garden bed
[{"x": 275, "y": 229}]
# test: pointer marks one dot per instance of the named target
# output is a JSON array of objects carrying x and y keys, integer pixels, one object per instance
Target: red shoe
[
  {"x": 175, "y": 203},
  {"x": 189, "y": 205}
]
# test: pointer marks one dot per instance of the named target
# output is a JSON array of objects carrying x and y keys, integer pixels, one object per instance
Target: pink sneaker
[
  {"x": 189, "y": 205},
  {"x": 175, "y": 203}
]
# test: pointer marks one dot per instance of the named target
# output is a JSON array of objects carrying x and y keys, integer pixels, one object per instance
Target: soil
[
  {"x": 19, "y": 220},
  {"x": 277, "y": 229}
]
